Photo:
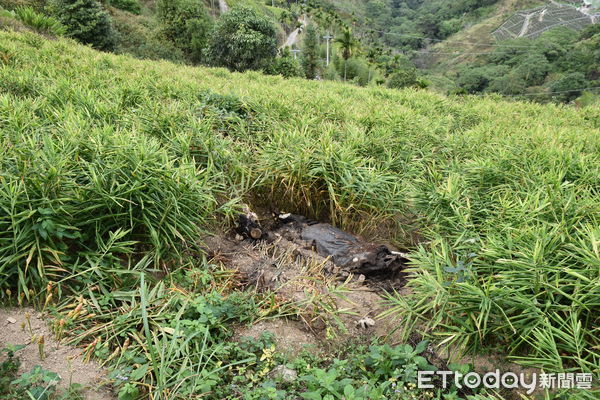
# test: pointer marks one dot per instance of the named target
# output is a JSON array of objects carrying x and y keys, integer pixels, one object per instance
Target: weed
[{"x": 40, "y": 22}]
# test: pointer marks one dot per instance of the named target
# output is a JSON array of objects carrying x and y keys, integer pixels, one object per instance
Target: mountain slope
[
  {"x": 476, "y": 38},
  {"x": 115, "y": 166}
]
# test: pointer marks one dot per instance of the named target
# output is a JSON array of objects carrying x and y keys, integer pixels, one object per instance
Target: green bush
[
  {"x": 330, "y": 73},
  {"x": 137, "y": 38},
  {"x": 186, "y": 24},
  {"x": 286, "y": 65},
  {"x": 358, "y": 71},
  {"x": 534, "y": 69},
  {"x": 402, "y": 79},
  {"x": 243, "y": 40},
  {"x": 569, "y": 87},
  {"x": 477, "y": 79},
  {"x": 510, "y": 84},
  {"x": 86, "y": 21},
  {"x": 133, "y": 6}
]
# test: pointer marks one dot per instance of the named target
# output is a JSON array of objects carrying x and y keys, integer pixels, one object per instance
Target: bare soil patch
[
  {"x": 62, "y": 359},
  {"x": 332, "y": 290}
]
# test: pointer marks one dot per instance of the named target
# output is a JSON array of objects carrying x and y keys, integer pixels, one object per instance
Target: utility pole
[
  {"x": 328, "y": 37},
  {"x": 296, "y": 51}
]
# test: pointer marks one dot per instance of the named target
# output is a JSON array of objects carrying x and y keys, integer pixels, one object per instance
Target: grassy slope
[{"x": 511, "y": 187}]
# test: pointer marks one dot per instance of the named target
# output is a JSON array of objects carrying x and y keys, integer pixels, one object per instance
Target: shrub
[
  {"x": 358, "y": 70},
  {"x": 474, "y": 80},
  {"x": 133, "y": 6},
  {"x": 86, "y": 21},
  {"x": 331, "y": 73},
  {"x": 401, "y": 79},
  {"x": 534, "y": 69},
  {"x": 590, "y": 31},
  {"x": 510, "y": 84},
  {"x": 39, "y": 22},
  {"x": 286, "y": 66},
  {"x": 569, "y": 87},
  {"x": 186, "y": 24},
  {"x": 243, "y": 40}
]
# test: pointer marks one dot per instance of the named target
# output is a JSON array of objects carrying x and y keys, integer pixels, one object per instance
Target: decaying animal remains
[{"x": 346, "y": 251}]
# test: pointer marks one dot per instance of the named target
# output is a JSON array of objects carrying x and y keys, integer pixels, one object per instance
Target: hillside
[
  {"x": 118, "y": 174},
  {"x": 476, "y": 38}
]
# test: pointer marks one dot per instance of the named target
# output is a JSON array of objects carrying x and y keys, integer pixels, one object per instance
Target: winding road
[{"x": 292, "y": 39}]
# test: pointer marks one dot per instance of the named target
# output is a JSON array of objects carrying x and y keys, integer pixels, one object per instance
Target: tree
[
  {"x": 310, "y": 53},
  {"x": 86, "y": 21},
  {"x": 348, "y": 45},
  {"x": 510, "y": 84},
  {"x": 476, "y": 79},
  {"x": 243, "y": 40},
  {"x": 376, "y": 8},
  {"x": 187, "y": 24},
  {"x": 534, "y": 69}
]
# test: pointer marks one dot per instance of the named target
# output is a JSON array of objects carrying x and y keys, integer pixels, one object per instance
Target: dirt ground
[
  {"x": 64, "y": 360},
  {"x": 325, "y": 294}
]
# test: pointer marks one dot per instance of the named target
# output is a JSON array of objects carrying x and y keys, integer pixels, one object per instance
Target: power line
[
  {"x": 444, "y": 40},
  {"x": 458, "y": 53},
  {"x": 539, "y": 93}
]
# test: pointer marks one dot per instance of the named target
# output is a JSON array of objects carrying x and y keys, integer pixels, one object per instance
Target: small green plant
[
  {"x": 40, "y": 22},
  {"x": 9, "y": 368},
  {"x": 38, "y": 384}
]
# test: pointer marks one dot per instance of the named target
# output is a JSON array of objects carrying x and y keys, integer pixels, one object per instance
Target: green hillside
[{"x": 114, "y": 168}]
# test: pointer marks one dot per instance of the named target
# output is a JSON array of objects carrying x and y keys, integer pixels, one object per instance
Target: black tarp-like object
[{"x": 345, "y": 250}]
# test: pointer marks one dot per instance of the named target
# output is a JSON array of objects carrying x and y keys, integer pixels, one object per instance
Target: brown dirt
[
  {"x": 291, "y": 337},
  {"x": 298, "y": 275},
  {"x": 64, "y": 360}
]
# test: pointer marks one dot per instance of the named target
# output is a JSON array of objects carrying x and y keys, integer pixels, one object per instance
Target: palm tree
[{"x": 349, "y": 45}]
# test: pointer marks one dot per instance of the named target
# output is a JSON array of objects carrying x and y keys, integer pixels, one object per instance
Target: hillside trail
[
  {"x": 223, "y": 7},
  {"x": 525, "y": 27},
  {"x": 24, "y": 326},
  {"x": 292, "y": 38}
]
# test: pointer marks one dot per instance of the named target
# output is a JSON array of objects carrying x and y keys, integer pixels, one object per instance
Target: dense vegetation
[
  {"x": 113, "y": 168},
  {"x": 559, "y": 64},
  {"x": 411, "y": 24},
  {"x": 377, "y": 42}
]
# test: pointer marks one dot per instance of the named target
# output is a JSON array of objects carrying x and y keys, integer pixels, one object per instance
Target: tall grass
[
  {"x": 104, "y": 149},
  {"x": 39, "y": 22}
]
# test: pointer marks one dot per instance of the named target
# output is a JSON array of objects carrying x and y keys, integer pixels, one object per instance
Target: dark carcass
[
  {"x": 345, "y": 250},
  {"x": 377, "y": 263}
]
